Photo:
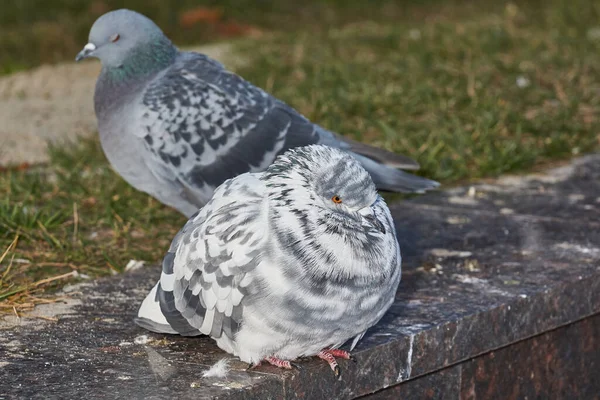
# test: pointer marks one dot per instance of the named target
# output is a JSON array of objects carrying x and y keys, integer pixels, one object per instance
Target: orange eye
[
  {"x": 115, "y": 37},
  {"x": 336, "y": 199}
]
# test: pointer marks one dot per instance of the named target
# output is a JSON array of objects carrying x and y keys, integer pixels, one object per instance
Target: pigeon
[
  {"x": 290, "y": 262},
  {"x": 178, "y": 124}
]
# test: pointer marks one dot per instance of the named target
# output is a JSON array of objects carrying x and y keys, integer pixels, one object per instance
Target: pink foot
[
  {"x": 285, "y": 364},
  {"x": 329, "y": 355},
  {"x": 279, "y": 363},
  {"x": 337, "y": 353}
]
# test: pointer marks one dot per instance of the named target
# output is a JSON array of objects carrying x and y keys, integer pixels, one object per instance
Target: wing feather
[
  {"x": 205, "y": 274},
  {"x": 204, "y": 124}
]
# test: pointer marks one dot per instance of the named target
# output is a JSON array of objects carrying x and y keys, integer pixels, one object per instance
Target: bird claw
[
  {"x": 296, "y": 365},
  {"x": 337, "y": 371},
  {"x": 329, "y": 355},
  {"x": 253, "y": 366}
]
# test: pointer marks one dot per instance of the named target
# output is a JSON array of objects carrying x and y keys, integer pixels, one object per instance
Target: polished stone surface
[
  {"x": 484, "y": 267},
  {"x": 559, "y": 364}
]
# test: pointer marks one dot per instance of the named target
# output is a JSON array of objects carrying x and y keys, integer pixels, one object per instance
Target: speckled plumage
[
  {"x": 271, "y": 266},
  {"x": 178, "y": 124}
]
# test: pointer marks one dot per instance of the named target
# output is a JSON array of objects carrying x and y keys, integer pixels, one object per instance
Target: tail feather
[
  {"x": 150, "y": 315},
  {"x": 382, "y": 156},
  {"x": 395, "y": 180}
]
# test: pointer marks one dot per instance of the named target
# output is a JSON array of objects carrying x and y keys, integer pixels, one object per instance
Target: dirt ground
[{"x": 55, "y": 104}]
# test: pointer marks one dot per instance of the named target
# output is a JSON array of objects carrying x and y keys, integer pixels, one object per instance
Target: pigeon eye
[
  {"x": 336, "y": 199},
  {"x": 115, "y": 37}
]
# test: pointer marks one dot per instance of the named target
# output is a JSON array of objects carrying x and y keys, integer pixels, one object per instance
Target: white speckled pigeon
[
  {"x": 289, "y": 262},
  {"x": 178, "y": 124}
]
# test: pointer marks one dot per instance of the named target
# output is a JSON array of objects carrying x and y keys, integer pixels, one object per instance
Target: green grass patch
[
  {"x": 469, "y": 89},
  {"x": 468, "y": 97},
  {"x": 75, "y": 215},
  {"x": 33, "y": 32}
]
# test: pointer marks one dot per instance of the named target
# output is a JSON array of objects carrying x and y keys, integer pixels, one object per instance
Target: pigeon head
[
  {"x": 325, "y": 179},
  {"x": 126, "y": 39},
  {"x": 324, "y": 210}
]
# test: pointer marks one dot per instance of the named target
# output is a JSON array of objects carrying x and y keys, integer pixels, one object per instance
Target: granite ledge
[{"x": 477, "y": 278}]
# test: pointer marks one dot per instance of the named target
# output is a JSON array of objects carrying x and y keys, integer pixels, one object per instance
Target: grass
[
  {"x": 74, "y": 215},
  {"x": 33, "y": 32},
  {"x": 470, "y": 89},
  {"x": 469, "y": 98}
]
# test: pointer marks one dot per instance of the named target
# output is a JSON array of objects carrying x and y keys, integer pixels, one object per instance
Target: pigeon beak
[
  {"x": 87, "y": 51},
  {"x": 368, "y": 214}
]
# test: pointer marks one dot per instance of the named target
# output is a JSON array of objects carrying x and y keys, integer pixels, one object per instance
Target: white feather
[{"x": 219, "y": 370}]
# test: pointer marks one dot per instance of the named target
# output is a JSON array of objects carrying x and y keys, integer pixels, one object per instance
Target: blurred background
[
  {"x": 45, "y": 31},
  {"x": 470, "y": 89},
  {"x": 510, "y": 84}
]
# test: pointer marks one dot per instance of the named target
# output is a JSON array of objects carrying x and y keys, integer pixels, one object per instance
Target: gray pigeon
[
  {"x": 286, "y": 263},
  {"x": 178, "y": 124}
]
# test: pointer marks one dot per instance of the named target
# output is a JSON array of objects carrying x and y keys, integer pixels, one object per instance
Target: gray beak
[
  {"x": 375, "y": 222},
  {"x": 368, "y": 213},
  {"x": 87, "y": 51}
]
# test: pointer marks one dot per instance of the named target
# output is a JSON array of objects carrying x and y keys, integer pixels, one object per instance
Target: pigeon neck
[
  {"x": 116, "y": 83},
  {"x": 143, "y": 61}
]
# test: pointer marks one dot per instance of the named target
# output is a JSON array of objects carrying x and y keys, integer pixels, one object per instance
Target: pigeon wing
[
  {"x": 204, "y": 124},
  {"x": 207, "y": 273}
]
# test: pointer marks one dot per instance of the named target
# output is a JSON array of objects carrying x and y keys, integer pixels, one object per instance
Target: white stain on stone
[
  {"x": 414, "y": 329},
  {"x": 405, "y": 373},
  {"x": 575, "y": 197},
  {"x": 444, "y": 253},
  {"x": 457, "y": 220},
  {"x": 482, "y": 284},
  {"x": 142, "y": 339},
  {"x": 462, "y": 200},
  {"x": 578, "y": 248}
]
